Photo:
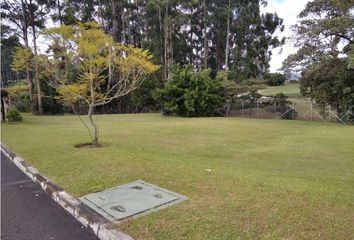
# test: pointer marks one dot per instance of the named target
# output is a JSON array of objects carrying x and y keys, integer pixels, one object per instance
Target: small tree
[{"x": 107, "y": 70}]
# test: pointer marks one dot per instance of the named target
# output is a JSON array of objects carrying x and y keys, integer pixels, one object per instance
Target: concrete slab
[{"x": 131, "y": 200}]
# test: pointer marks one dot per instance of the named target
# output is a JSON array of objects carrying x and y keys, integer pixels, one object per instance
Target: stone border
[{"x": 103, "y": 228}]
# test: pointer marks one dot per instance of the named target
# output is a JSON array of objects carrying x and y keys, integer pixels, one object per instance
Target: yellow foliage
[
  {"x": 18, "y": 88},
  {"x": 97, "y": 56},
  {"x": 22, "y": 59},
  {"x": 72, "y": 93}
]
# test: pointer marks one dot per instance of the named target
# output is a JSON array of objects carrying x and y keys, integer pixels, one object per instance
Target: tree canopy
[{"x": 95, "y": 53}]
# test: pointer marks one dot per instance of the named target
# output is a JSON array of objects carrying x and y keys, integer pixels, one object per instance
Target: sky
[{"x": 288, "y": 10}]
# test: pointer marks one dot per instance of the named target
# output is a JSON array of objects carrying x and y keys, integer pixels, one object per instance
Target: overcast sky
[{"x": 288, "y": 10}]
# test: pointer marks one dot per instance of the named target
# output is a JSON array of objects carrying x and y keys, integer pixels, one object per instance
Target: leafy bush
[
  {"x": 192, "y": 94},
  {"x": 275, "y": 79},
  {"x": 19, "y": 96},
  {"x": 14, "y": 115}
]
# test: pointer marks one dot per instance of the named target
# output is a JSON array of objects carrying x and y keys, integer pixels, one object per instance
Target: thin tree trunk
[
  {"x": 166, "y": 42},
  {"x": 205, "y": 36},
  {"x": 117, "y": 18},
  {"x": 38, "y": 81},
  {"x": 170, "y": 55},
  {"x": 144, "y": 23},
  {"x": 227, "y": 39},
  {"x": 94, "y": 135},
  {"x": 3, "y": 118},
  {"x": 123, "y": 27},
  {"x": 114, "y": 20},
  {"x": 59, "y": 13},
  {"x": 191, "y": 40},
  {"x": 94, "y": 125},
  {"x": 161, "y": 39},
  {"x": 25, "y": 39},
  {"x": 39, "y": 92},
  {"x": 110, "y": 72}
]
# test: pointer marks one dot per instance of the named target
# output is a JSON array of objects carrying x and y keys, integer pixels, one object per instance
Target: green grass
[
  {"x": 290, "y": 90},
  {"x": 270, "y": 179}
]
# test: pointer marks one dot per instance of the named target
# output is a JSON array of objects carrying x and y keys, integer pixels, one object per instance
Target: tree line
[
  {"x": 230, "y": 40},
  {"x": 216, "y": 34}
]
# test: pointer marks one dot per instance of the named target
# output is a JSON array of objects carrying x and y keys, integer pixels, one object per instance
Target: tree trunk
[
  {"x": 166, "y": 47},
  {"x": 39, "y": 92},
  {"x": 59, "y": 13},
  {"x": 94, "y": 135},
  {"x": 191, "y": 40},
  {"x": 3, "y": 117},
  {"x": 227, "y": 39},
  {"x": 116, "y": 21},
  {"x": 38, "y": 81},
  {"x": 25, "y": 39},
  {"x": 161, "y": 39},
  {"x": 94, "y": 125},
  {"x": 205, "y": 35},
  {"x": 144, "y": 24},
  {"x": 123, "y": 27},
  {"x": 170, "y": 59}
]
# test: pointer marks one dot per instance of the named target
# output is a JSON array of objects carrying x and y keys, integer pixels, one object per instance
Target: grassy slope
[
  {"x": 291, "y": 90},
  {"x": 269, "y": 179}
]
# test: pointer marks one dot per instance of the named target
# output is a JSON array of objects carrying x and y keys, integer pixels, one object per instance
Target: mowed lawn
[
  {"x": 290, "y": 90},
  {"x": 269, "y": 179}
]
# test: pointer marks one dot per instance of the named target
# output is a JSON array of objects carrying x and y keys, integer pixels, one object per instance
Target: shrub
[
  {"x": 19, "y": 96},
  {"x": 192, "y": 94},
  {"x": 14, "y": 115},
  {"x": 275, "y": 79}
]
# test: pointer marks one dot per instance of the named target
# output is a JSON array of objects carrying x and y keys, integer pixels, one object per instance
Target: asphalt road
[{"x": 28, "y": 213}]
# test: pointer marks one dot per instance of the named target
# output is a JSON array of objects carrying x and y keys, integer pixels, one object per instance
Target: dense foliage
[
  {"x": 275, "y": 79},
  {"x": 330, "y": 83},
  {"x": 192, "y": 93},
  {"x": 19, "y": 96},
  {"x": 231, "y": 35},
  {"x": 326, "y": 31}
]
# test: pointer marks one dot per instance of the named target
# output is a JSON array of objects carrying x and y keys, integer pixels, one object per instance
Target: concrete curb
[{"x": 103, "y": 228}]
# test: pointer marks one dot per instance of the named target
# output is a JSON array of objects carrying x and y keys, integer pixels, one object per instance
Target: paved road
[{"x": 28, "y": 213}]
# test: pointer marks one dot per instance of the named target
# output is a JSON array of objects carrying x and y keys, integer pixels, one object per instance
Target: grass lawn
[
  {"x": 290, "y": 90},
  {"x": 270, "y": 179}
]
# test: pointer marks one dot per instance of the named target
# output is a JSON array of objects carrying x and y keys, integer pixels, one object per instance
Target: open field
[
  {"x": 290, "y": 90},
  {"x": 269, "y": 179}
]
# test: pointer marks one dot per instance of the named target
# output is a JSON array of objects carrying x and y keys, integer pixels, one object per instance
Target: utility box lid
[{"x": 131, "y": 200}]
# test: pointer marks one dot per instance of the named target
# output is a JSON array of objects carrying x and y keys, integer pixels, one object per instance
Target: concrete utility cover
[{"x": 131, "y": 199}]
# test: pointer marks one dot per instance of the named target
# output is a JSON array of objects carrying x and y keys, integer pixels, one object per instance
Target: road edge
[{"x": 103, "y": 228}]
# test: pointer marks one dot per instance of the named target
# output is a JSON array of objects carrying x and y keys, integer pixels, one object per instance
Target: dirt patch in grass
[{"x": 88, "y": 145}]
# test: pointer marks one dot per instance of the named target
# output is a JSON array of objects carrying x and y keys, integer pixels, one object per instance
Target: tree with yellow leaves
[
  {"x": 107, "y": 70},
  {"x": 25, "y": 61}
]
